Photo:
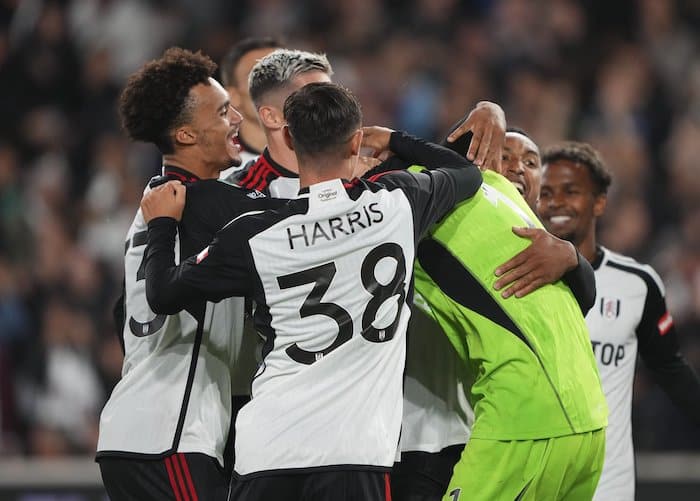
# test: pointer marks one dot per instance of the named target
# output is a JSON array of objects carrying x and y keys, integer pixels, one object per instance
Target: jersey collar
[
  {"x": 599, "y": 256},
  {"x": 281, "y": 170},
  {"x": 180, "y": 174}
]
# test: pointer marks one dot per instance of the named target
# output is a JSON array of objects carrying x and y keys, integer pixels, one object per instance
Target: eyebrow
[{"x": 224, "y": 106}]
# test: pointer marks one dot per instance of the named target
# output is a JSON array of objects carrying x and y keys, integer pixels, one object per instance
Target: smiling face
[
  {"x": 569, "y": 202},
  {"x": 522, "y": 167},
  {"x": 215, "y": 124}
]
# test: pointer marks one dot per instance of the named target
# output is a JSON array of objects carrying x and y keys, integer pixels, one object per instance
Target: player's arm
[
  {"x": 546, "y": 260},
  {"x": 434, "y": 193},
  {"x": 660, "y": 350},
  {"x": 215, "y": 273}
]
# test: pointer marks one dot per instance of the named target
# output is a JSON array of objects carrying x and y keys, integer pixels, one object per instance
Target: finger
[
  {"x": 180, "y": 193},
  {"x": 531, "y": 287},
  {"x": 526, "y": 232},
  {"x": 495, "y": 154},
  {"x": 517, "y": 260},
  {"x": 461, "y": 130},
  {"x": 484, "y": 146},
  {"x": 474, "y": 145},
  {"x": 518, "y": 273}
]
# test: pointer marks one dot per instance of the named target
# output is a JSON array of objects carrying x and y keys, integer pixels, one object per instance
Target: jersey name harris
[{"x": 304, "y": 235}]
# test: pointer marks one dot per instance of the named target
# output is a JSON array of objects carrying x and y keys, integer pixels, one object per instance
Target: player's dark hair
[
  {"x": 227, "y": 68},
  {"x": 518, "y": 130},
  {"x": 156, "y": 100},
  {"x": 584, "y": 154},
  {"x": 321, "y": 117}
]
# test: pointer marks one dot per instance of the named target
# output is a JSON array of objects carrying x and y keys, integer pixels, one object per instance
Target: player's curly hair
[
  {"x": 155, "y": 100},
  {"x": 584, "y": 154}
]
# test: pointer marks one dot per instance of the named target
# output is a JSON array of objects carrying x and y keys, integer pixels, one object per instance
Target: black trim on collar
[
  {"x": 598, "y": 260},
  {"x": 281, "y": 170},
  {"x": 179, "y": 173}
]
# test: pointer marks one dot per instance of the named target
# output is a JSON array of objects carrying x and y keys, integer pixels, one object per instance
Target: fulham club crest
[{"x": 609, "y": 308}]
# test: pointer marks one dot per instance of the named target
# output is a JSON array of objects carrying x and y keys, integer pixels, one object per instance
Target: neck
[
  {"x": 191, "y": 164},
  {"x": 280, "y": 153},
  {"x": 587, "y": 247},
  {"x": 314, "y": 170},
  {"x": 252, "y": 135}
]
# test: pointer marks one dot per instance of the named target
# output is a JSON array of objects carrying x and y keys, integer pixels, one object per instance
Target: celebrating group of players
[{"x": 395, "y": 309}]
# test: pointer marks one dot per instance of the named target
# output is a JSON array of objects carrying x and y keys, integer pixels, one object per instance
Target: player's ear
[
  {"x": 601, "y": 201},
  {"x": 271, "y": 117},
  {"x": 185, "y": 135},
  {"x": 288, "y": 138},
  {"x": 356, "y": 142}
]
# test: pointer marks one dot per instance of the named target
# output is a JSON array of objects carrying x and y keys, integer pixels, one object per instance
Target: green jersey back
[{"x": 530, "y": 358}]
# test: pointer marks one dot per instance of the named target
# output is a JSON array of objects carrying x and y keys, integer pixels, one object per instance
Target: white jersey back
[
  {"x": 622, "y": 286},
  {"x": 325, "y": 273},
  {"x": 436, "y": 412},
  {"x": 175, "y": 391}
]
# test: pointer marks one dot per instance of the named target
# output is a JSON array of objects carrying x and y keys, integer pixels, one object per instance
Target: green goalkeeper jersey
[{"x": 530, "y": 358}]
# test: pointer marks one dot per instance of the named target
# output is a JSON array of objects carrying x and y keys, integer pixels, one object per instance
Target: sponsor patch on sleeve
[{"x": 665, "y": 323}]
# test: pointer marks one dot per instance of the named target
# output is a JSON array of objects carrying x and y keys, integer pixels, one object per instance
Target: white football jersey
[
  {"x": 179, "y": 371},
  {"x": 436, "y": 412},
  {"x": 629, "y": 307}
]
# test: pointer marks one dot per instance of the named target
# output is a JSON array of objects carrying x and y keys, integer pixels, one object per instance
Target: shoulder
[
  {"x": 632, "y": 268},
  {"x": 261, "y": 215}
]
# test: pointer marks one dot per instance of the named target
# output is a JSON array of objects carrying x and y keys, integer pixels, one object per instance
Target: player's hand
[
  {"x": 165, "y": 200},
  {"x": 545, "y": 261},
  {"x": 376, "y": 139},
  {"x": 488, "y": 124},
  {"x": 364, "y": 164}
]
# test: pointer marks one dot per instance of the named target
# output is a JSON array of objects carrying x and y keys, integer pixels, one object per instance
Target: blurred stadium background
[{"x": 622, "y": 74}]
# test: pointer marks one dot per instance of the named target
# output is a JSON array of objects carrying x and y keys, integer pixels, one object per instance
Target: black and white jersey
[
  {"x": 179, "y": 370},
  {"x": 630, "y": 314},
  {"x": 267, "y": 176},
  {"x": 330, "y": 273}
]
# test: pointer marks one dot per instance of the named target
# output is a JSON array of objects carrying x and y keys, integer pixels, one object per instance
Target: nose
[
  {"x": 234, "y": 117},
  {"x": 515, "y": 166},
  {"x": 556, "y": 199}
]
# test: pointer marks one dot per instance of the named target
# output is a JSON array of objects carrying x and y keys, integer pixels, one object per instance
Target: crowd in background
[{"x": 623, "y": 75}]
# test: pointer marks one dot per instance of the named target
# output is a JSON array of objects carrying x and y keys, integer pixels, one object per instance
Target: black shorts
[
  {"x": 344, "y": 485},
  {"x": 423, "y": 476},
  {"x": 178, "y": 477}
]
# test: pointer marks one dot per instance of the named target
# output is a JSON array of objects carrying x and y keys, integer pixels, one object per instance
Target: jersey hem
[{"x": 311, "y": 469}]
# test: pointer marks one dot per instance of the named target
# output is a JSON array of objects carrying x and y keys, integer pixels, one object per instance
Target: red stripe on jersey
[
  {"x": 171, "y": 476},
  {"x": 259, "y": 177},
  {"x": 387, "y": 487},
  {"x": 665, "y": 324},
  {"x": 180, "y": 480},
  {"x": 188, "y": 477},
  {"x": 377, "y": 176},
  {"x": 253, "y": 171},
  {"x": 180, "y": 176}
]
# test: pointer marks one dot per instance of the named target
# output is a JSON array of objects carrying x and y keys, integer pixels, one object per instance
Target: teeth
[
  {"x": 519, "y": 186},
  {"x": 559, "y": 219}
]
